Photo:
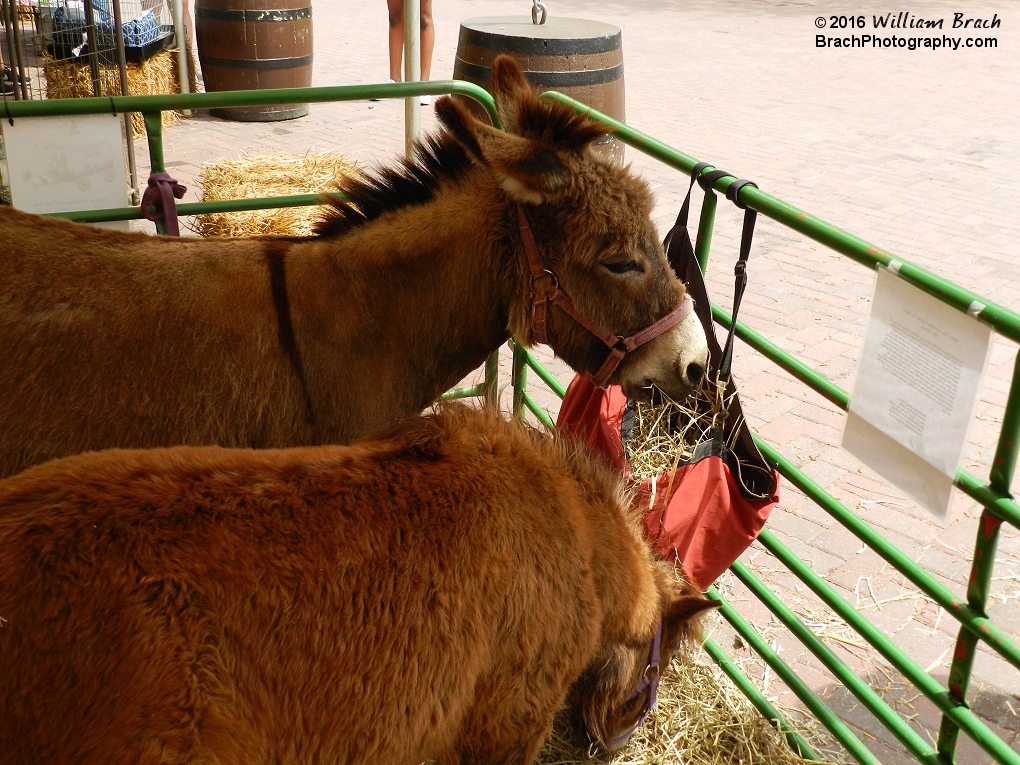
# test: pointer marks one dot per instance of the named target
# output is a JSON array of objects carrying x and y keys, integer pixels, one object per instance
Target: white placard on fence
[
  {"x": 915, "y": 391},
  {"x": 60, "y": 164}
]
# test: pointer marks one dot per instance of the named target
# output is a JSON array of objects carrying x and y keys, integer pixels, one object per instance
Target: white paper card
[
  {"x": 915, "y": 391},
  {"x": 60, "y": 164}
]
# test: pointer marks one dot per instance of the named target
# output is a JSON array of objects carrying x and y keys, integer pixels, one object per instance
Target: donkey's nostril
[{"x": 695, "y": 371}]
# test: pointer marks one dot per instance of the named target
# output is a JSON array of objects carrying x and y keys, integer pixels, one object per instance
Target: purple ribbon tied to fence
[{"x": 158, "y": 201}]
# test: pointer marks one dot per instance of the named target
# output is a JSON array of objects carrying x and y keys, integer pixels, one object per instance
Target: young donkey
[
  {"x": 123, "y": 340},
  {"x": 431, "y": 594}
]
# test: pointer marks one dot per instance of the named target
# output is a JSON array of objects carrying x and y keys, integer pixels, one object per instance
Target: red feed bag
[{"x": 710, "y": 509}]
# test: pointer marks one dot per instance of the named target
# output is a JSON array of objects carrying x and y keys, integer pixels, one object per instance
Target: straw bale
[
  {"x": 702, "y": 718},
  {"x": 155, "y": 76},
  {"x": 265, "y": 175}
]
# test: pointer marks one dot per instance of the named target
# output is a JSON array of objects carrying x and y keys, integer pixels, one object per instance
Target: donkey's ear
[
  {"x": 551, "y": 123},
  {"x": 510, "y": 90},
  {"x": 679, "y": 622},
  {"x": 527, "y": 170},
  {"x": 687, "y": 607}
]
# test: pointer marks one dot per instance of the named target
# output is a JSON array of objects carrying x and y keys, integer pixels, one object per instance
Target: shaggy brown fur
[
  {"x": 112, "y": 339},
  {"x": 430, "y": 594}
]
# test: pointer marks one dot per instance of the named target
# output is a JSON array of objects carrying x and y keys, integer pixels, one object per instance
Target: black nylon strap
[
  {"x": 739, "y": 272},
  {"x": 707, "y": 179},
  {"x": 733, "y": 191},
  {"x": 696, "y": 171},
  {"x": 732, "y": 441},
  {"x": 681, "y": 220}
]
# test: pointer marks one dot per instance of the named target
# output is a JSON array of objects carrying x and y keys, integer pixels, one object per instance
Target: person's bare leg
[
  {"x": 428, "y": 38},
  {"x": 396, "y": 38}
]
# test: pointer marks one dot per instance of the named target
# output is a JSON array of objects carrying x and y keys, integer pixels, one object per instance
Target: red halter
[{"x": 618, "y": 346}]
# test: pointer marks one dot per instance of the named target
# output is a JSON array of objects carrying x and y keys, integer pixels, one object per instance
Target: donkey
[
  {"x": 113, "y": 339},
  {"x": 434, "y": 593}
]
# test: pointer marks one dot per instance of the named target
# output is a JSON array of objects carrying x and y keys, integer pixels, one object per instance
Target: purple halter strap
[{"x": 650, "y": 679}]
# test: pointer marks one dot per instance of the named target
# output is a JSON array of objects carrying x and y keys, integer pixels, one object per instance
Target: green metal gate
[{"x": 993, "y": 494}]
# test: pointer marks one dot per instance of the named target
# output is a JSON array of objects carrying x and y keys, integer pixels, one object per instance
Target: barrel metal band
[
  {"x": 483, "y": 74},
  {"x": 275, "y": 14},
  {"x": 505, "y": 43},
  {"x": 261, "y": 63}
]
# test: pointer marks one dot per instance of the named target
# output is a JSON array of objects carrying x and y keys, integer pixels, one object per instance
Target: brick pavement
[{"x": 917, "y": 152}]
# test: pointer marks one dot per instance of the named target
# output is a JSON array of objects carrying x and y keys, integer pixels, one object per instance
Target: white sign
[
  {"x": 915, "y": 391},
  {"x": 62, "y": 164}
]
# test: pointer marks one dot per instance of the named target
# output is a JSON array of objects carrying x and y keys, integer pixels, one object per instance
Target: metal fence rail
[
  {"x": 151, "y": 108},
  {"x": 993, "y": 494}
]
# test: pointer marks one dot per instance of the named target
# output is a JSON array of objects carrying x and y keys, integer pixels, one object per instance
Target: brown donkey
[
  {"x": 431, "y": 594},
  {"x": 123, "y": 340}
]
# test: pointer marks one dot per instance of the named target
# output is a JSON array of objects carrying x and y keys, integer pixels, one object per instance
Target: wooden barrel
[
  {"x": 255, "y": 45},
  {"x": 580, "y": 58}
]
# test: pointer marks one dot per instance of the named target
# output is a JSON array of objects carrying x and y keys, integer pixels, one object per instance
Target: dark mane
[{"x": 371, "y": 194}]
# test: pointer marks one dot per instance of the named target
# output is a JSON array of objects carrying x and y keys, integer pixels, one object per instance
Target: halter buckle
[
  {"x": 546, "y": 272},
  {"x": 651, "y": 672}
]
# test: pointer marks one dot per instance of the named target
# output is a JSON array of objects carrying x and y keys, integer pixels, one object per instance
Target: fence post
[
  {"x": 491, "y": 376},
  {"x": 706, "y": 224},
  {"x": 154, "y": 134},
  {"x": 412, "y": 73},
  {"x": 982, "y": 564},
  {"x": 183, "y": 75},
  {"x": 519, "y": 377},
  {"x": 118, "y": 22}
]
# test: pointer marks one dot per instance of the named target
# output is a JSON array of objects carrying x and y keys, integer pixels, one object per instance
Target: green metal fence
[{"x": 993, "y": 494}]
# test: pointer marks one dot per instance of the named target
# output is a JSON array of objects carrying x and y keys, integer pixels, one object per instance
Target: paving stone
[{"x": 821, "y": 562}]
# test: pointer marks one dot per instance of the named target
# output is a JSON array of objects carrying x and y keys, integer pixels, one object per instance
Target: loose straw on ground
[
  {"x": 265, "y": 175},
  {"x": 701, "y": 719}
]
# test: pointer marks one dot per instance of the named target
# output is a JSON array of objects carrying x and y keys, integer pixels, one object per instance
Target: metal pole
[
  {"x": 183, "y": 75},
  {"x": 412, "y": 73},
  {"x": 10, "y": 17},
  {"x": 8, "y": 28},
  {"x": 22, "y": 72},
  {"x": 118, "y": 23},
  {"x": 91, "y": 39}
]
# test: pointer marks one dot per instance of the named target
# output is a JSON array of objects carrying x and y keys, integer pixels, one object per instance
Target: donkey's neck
[{"x": 418, "y": 298}]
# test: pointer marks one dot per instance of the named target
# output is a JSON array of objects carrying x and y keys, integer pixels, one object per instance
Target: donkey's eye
[{"x": 623, "y": 266}]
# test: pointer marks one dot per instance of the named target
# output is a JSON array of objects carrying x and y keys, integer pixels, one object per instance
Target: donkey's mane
[
  {"x": 411, "y": 182},
  {"x": 442, "y": 157}
]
